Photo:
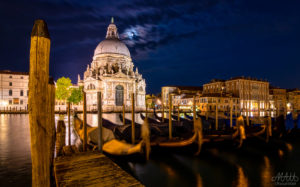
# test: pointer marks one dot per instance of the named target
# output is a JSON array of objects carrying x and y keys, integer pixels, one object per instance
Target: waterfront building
[
  {"x": 253, "y": 94},
  {"x": 14, "y": 90},
  {"x": 209, "y": 102},
  {"x": 293, "y": 100},
  {"x": 278, "y": 100},
  {"x": 112, "y": 72},
  {"x": 181, "y": 95},
  {"x": 214, "y": 86}
]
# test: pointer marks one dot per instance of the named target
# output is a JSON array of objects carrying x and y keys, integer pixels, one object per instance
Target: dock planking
[{"x": 90, "y": 169}]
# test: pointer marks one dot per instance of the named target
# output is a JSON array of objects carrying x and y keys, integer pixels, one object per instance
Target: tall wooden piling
[
  {"x": 170, "y": 117},
  {"x": 231, "y": 111},
  {"x": 258, "y": 109},
  {"x": 69, "y": 123},
  {"x": 41, "y": 106},
  {"x": 163, "y": 110},
  {"x": 247, "y": 113},
  {"x": 178, "y": 113},
  {"x": 124, "y": 114},
  {"x": 194, "y": 109},
  {"x": 132, "y": 119},
  {"x": 84, "y": 122},
  {"x": 100, "y": 139},
  {"x": 217, "y": 115}
]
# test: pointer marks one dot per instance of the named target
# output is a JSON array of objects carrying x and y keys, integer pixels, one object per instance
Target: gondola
[
  {"x": 163, "y": 128},
  {"x": 111, "y": 145},
  {"x": 150, "y": 120},
  {"x": 235, "y": 134}
]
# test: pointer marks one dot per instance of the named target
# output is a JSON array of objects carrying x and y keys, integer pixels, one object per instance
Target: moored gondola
[{"x": 111, "y": 144}]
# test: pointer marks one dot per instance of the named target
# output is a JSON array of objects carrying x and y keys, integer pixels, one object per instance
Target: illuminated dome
[{"x": 112, "y": 44}]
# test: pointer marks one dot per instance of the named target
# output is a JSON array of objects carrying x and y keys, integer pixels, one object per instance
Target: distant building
[
  {"x": 278, "y": 100},
  {"x": 293, "y": 104},
  {"x": 253, "y": 93},
  {"x": 14, "y": 90},
  {"x": 214, "y": 86},
  {"x": 181, "y": 95},
  {"x": 112, "y": 72},
  {"x": 209, "y": 102}
]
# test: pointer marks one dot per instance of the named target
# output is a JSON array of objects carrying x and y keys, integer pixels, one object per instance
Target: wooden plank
[{"x": 90, "y": 169}]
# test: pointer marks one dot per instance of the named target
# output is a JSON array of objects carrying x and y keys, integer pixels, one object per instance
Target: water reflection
[
  {"x": 242, "y": 180},
  {"x": 266, "y": 173},
  {"x": 214, "y": 167}
]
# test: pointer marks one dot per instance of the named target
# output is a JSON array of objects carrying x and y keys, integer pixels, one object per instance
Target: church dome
[
  {"x": 114, "y": 46},
  {"x": 112, "y": 43}
]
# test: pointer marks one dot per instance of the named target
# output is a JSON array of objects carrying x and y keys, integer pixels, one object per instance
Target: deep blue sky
[{"x": 174, "y": 43}]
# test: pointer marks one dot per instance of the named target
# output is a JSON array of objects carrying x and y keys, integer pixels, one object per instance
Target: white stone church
[{"x": 112, "y": 73}]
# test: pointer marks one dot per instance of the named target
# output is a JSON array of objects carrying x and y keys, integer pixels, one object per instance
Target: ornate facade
[{"x": 112, "y": 73}]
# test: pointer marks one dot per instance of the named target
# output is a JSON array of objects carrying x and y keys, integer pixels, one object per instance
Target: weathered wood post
[
  {"x": 60, "y": 137},
  {"x": 132, "y": 119},
  {"x": 258, "y": 109},
  {"x": 194, "y": 109},
  {"x": 163, "y": 110},
  {"x": 178, "y": 113},
  {"x": 217, "y": 120},
  {"x": 124, "y": 114},
  {"x": 41, "y": 106},
  {"x": 100, "y": 139},
  {"x": 170, "y": 117},
  {"x": 69, "y": 123},
  {"x": 146, "y": 110},
  {"x": 231, "y": 111},
  {"x": 84, "y": 122},
  {"x": 247, "y": 114}
]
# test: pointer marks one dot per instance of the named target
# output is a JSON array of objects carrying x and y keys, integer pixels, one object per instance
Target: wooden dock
[{"x": 90, "y": 169}]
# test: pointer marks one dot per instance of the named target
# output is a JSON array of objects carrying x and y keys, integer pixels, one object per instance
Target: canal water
[{"x": 252, "y": 165}]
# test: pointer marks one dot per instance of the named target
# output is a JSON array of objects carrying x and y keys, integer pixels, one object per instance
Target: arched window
[
  {"x": 91, "y": 87},
  {"x": 119, "y": 95}
]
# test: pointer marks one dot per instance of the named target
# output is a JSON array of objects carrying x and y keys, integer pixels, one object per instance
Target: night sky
[{"x": 171, "y": 42}]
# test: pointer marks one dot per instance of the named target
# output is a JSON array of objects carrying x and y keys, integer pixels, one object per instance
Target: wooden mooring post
[
  {"x": 132, "y": 119},
  {"x": 230, "y": 112},
  {"x": 217, "y": 114},
  {"x": 100, "y": 139},
  {"x": 69, "y": 124},
  {"x": 84, "y": 122},
  {"x": 41, "y": 106},
  {"x": 163, "y": 110},
  {"x": 124, "y": 114},
  {"x": 178, "y": 113},
  {"x": 194, "y": 109},
  {"x": 170, "y": 117}
]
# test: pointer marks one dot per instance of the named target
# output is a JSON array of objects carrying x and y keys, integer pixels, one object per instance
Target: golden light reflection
[
  {"x": 199, "y": 180},
  {"x": 280, "y": 153},
  {"x": 289, "y": 147},
  {"x": 242, "y": 180},
  {"x": 267, "y": 174}
]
